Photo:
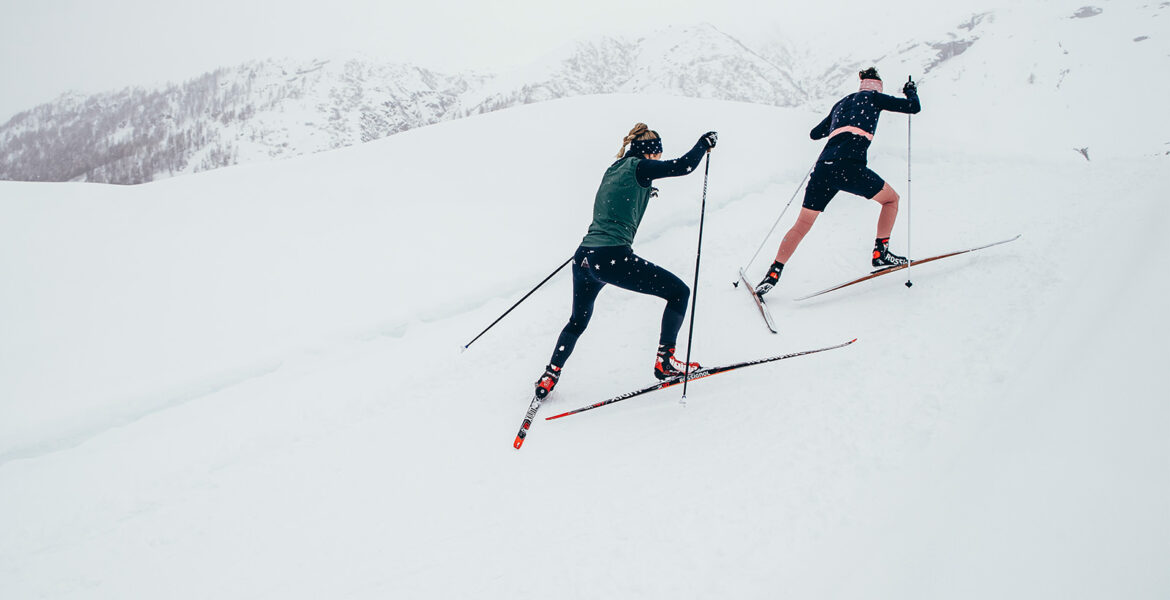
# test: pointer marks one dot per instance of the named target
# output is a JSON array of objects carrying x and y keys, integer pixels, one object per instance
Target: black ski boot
[
  {"x": 547, "y": 381},
  {"x": 770, "y": 279},
  {"x": 667, "y": 366},
  {"x": 883, "y": 258}
]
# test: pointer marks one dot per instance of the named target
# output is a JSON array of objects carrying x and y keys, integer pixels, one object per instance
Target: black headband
[{"x": 652, "y": 146}]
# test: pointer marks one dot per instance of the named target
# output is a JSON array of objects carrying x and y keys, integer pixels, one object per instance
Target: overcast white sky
[{"x": 48, "y": 47}]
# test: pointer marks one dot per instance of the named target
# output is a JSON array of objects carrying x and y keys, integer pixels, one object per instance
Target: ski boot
[
  {"x": 770, "y": 279},
  {"x": 883, "y": 258},
  {"x": 666, "y": 366},
  {"x": 547, "y": 381}
]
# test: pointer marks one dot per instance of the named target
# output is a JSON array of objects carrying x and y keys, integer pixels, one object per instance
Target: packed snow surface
[{"x": 248, "y": 383}]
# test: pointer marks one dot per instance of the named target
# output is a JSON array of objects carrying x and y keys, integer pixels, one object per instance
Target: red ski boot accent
[
  {"x": 547, "y": 381},
  {"x": 667, "y": 366}
]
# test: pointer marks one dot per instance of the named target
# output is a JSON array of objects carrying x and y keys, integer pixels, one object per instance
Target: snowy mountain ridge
[{"x": 272, "y": 109}]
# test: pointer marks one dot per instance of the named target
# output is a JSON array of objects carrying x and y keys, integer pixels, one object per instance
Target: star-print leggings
[{"x": 595, "y": 267}]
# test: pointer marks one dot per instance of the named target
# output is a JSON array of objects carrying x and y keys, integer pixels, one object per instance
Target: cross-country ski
[
  {"x": 889, "y": 270},
  {"x": 696, "y": 374},
  {"x": 759, "y": 301},
  {"x": 527, "y": 422}
]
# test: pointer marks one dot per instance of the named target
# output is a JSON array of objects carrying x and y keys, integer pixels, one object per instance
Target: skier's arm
[
  {"x": 822, "y": 129},
  {"x": 909, "y": 104},
  {"x": 649, "y": 170}
]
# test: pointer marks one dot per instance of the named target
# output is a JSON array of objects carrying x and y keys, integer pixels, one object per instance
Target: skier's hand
[
  {"x": 910, "y": 88},
  {"x": 709, "y": 138}
]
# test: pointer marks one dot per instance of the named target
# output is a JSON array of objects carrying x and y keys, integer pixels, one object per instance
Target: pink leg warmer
[
  {"x": 888, "y": 198},
  {"x": 804, "y": 223}
]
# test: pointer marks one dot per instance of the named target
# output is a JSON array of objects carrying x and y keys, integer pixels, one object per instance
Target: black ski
[
  {"x": 760, "y": 304},
  {"x": 697, "y": 374},
  {"x": 528, "y": 417},
  {"x": 886, "y": 271}
]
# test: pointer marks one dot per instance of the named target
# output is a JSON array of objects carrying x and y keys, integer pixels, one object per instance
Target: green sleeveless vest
[{"x": 619, "y": 206}]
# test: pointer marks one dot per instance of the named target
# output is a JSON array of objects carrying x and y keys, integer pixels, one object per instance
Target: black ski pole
[
  {"x": 550, "y": 276},
  {"x": 695, "y": 288},
  {"x": 909, "y": 255}
]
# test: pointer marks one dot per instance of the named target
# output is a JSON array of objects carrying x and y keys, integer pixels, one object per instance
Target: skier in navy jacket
[{"x": 850, "y": 127}]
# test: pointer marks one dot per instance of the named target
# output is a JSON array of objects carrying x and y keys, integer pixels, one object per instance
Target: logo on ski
[
  {"x": 698, "y": 374},
  {"x": 893, "y": 268}
]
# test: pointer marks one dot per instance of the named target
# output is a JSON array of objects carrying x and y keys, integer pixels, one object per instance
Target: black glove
[
  {"x": 910, "y": 88},
  {"x": 709, "y": 139}
]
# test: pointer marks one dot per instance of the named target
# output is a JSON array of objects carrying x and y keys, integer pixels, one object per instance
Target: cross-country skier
[
  {"x": 606, "y": 256},
  {"x": 842, "y": 167}
]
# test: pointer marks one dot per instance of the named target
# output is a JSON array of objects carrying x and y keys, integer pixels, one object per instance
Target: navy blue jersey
[
  {"x": 852, "y": 122},
  {"x": 649, "y": 169}
]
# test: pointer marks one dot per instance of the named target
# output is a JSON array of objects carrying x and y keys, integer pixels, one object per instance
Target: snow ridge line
[{"x": 135, "y": 410}]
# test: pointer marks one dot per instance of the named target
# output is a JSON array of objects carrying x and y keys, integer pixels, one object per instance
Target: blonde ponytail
[{"x": 641, "y": 131}]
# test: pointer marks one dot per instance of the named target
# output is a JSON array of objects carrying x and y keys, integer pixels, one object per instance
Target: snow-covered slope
[{"x": 247, "y": 383}]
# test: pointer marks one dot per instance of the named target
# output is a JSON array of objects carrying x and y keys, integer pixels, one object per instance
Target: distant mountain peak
[{"x": 283, "y": 107}]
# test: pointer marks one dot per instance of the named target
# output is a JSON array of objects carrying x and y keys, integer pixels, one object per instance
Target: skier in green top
[{"x": 606, "y": 256}]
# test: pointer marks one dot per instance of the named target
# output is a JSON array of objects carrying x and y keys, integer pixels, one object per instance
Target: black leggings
[{"x": 595, "y": 267}]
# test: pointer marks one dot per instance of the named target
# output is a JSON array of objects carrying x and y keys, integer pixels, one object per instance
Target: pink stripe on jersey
[{"x": 851, "y": 129}]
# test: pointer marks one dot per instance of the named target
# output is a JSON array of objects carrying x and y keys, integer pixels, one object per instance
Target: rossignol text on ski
[{"x": 888, "y": 270}]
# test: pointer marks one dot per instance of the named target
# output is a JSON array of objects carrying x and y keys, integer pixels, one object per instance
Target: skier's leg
[
  {"x": 862, "y": 181},
  {"x": 586, "y": 287},
  {"x": 585, "y": 290},
  {"x": 632, "y": 272},
  {"x": 882, "y": 257},
  {"x": 649, "y": 278},
  {"x": 888, "y": 198},
  {"x": 804, "y": 223},
  {"x": 667, "y": 285},
  {"x": 637, "y": 274},
  {"x": 823, "y": 184},
  {"x": 792, "y": 239}
]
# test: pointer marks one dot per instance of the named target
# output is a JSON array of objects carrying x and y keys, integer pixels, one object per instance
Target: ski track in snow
[{"x": 136, "y": 410}]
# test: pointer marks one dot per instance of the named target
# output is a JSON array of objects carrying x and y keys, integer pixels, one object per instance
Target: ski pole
[
  {"x": 909, "y": 256},
  {"x": 773, "y": 229},
  {"x": 695, "y": 288},
  {"x": 550, "y": 276}
]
